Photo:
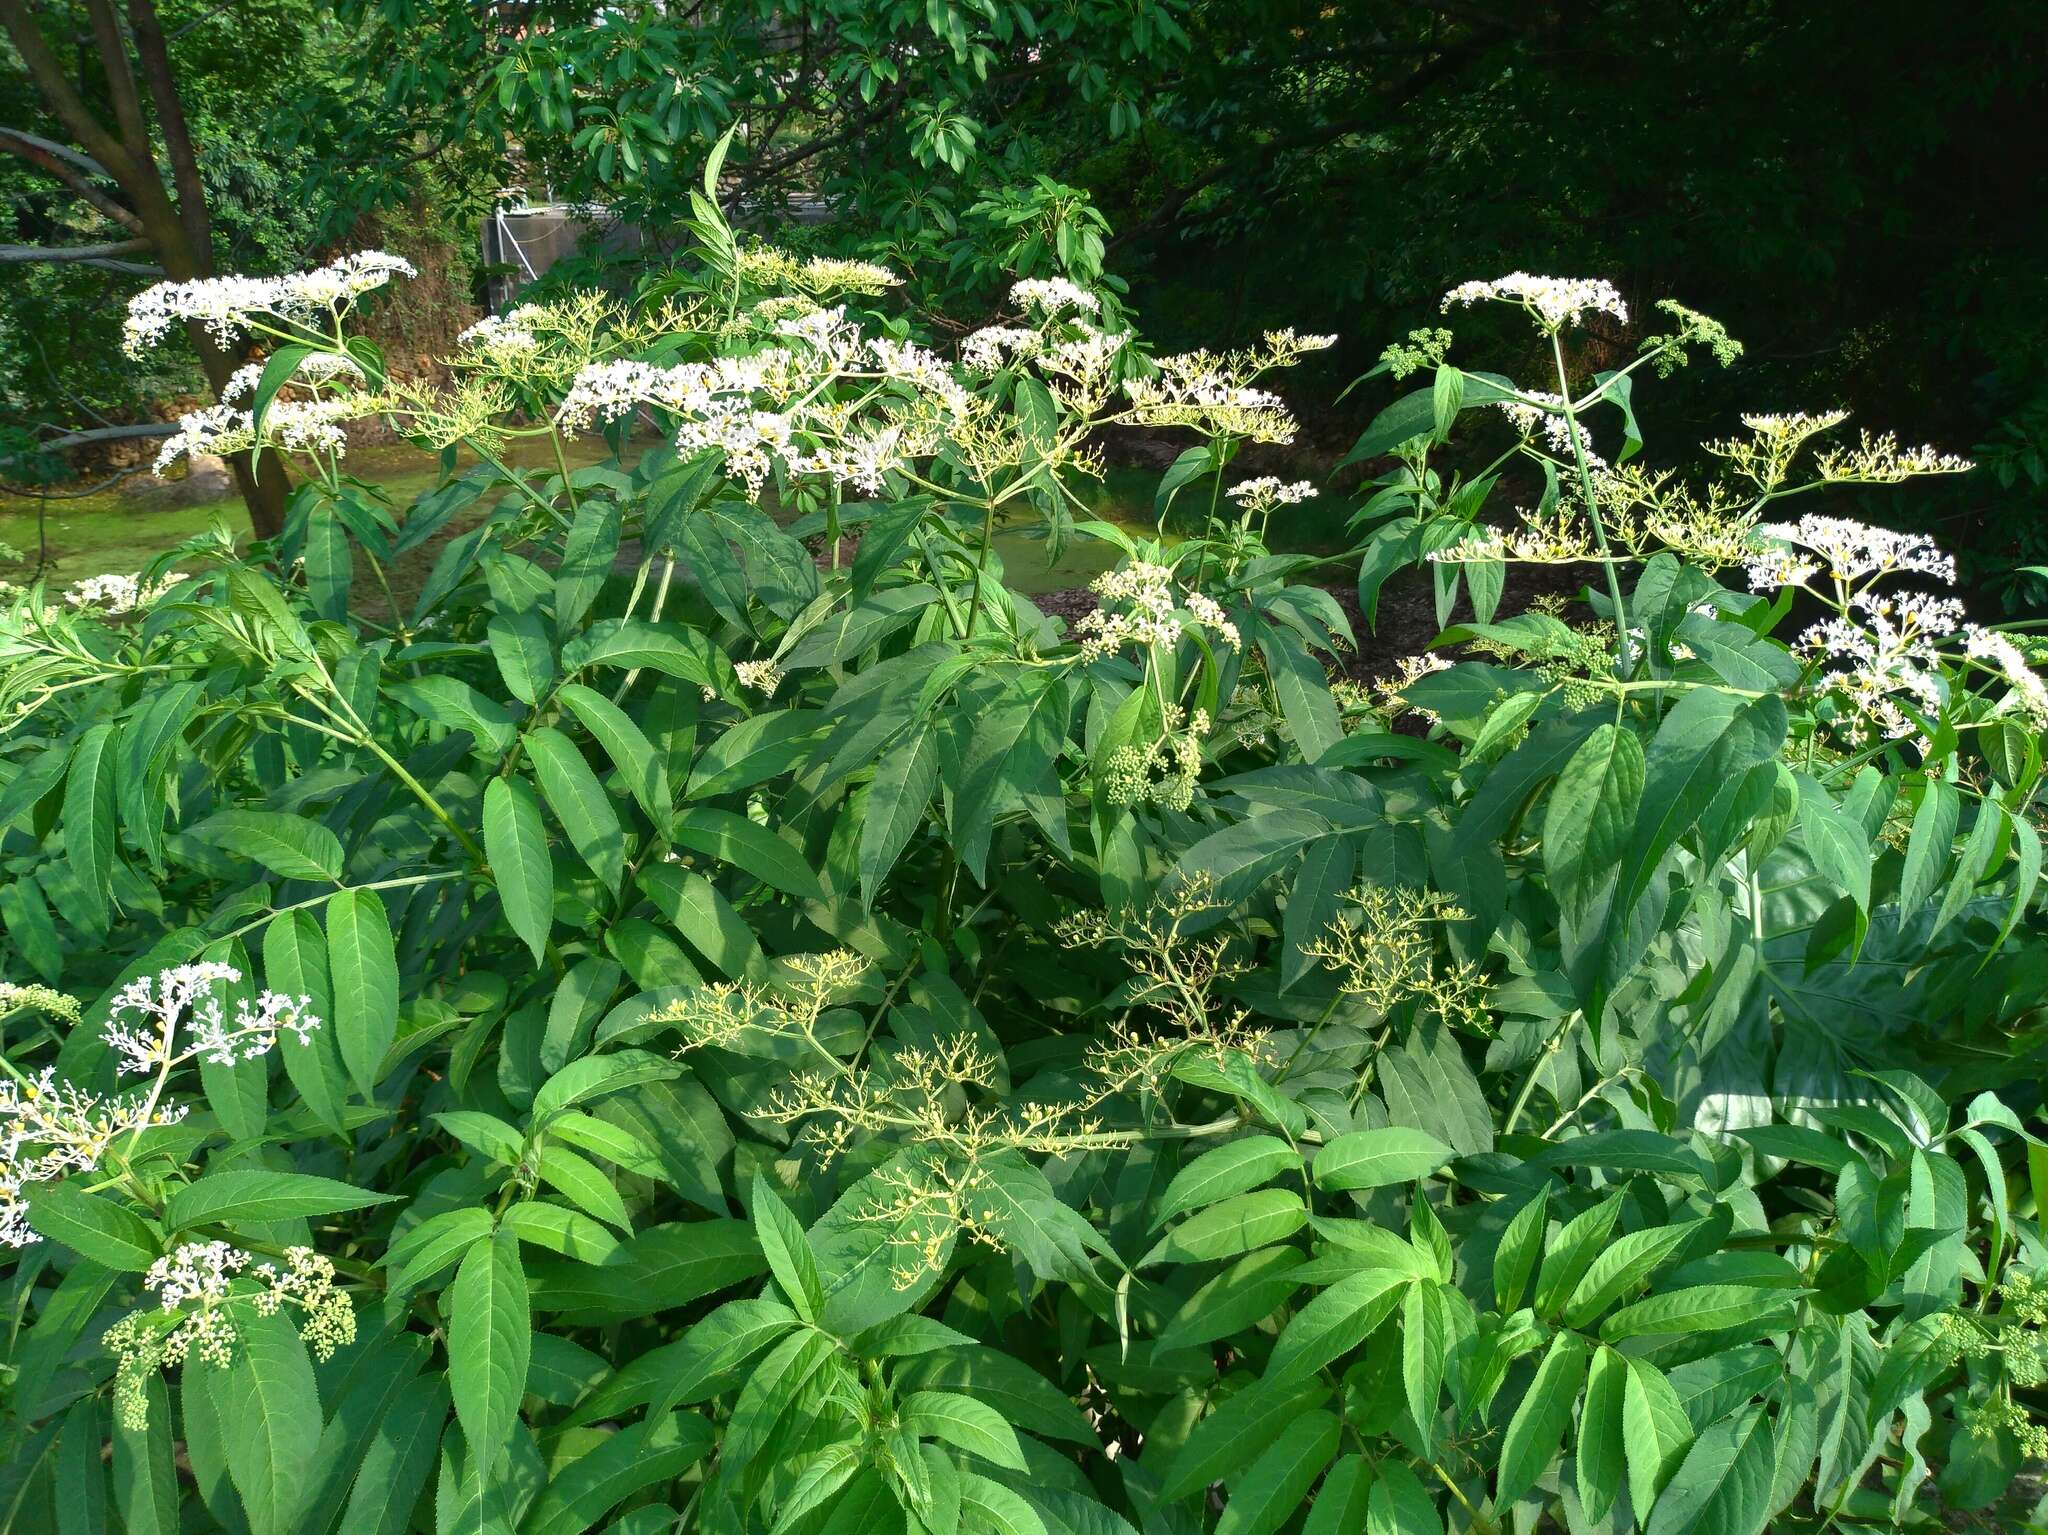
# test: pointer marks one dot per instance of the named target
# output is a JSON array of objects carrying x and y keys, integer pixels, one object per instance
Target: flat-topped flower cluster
[
  {"x": 1554, "y": 301},
  {"x": 50, "y": 1129},
  {"x": 194, "y": 1319},
  {"x": 232, "y": 307},
  {"x": 1150, "y": 610},
  {"x": 823, "y": 397},
  {"x": 793, "y": 387},
  {"x": 1885, "y": 664}
]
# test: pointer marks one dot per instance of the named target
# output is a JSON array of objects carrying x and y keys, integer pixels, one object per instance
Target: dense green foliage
[{"x": 773, "y": 1043}]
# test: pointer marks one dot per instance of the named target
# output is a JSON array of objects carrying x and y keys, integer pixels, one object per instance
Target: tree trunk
[
  {"x": 260, "y": 479},
  {"x": 179, "y": 232}
]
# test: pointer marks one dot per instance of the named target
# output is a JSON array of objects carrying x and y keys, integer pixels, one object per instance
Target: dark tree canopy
[{"x": 1844, "y": 185}]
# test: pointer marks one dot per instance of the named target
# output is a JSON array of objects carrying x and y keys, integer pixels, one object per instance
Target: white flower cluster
[
  {"x": 314, "y": 370},
  {"x": 1204, "y": 391},
  {"x": 1268, "y": 491},
  {"x": 1287, "y": 345},
  {"x": 1850, "y": 551},
  {"x": 504, "y": 335},
  {"x": 1556, "y": 301},
  {"x": 198, "y": 430},
  {"x": 1881, "y": 651},
  {"x": 831, "y": 333},
  {"x": 1086, "y": 361},
  {"x": 1796, "y": 425},
  {"x": 1207, "y": 612},
  {"x": 116, "y": 595},
  {"x": 775, "y": 407},
  {"x": 1878, "y": 459},
  {"x": 764, "y": 676},
  {"x": 298, "y": 426},
  {"x": 185, "y": 993},
  {"x": 2002, "y": 656},
  {"x": 769, "y": 266},
  {"x": 320, "y": 368},
  {"x": 1156, "y": 613},
  {"x": 605, "y": 391},
  {"x": 1888, "y": 659},
  {"x": 1389, "y": 694},
  {"x": 996, "y": 346},
  {"x": 1530, "y": 416},
  {"x": 231, "y": 306},
  {"x": 193, "y": 1320},
  {"x": 1562, "y": 536},
  {"x": 845, "y": 274},
  {"x": 750, "y": 439},
  {"x": 1052, "y": 294},
  {"x": 904, "y": 362},
  {"x": 241, "y": 383},
  {"x": 49, "y": 1129},
  {"x": 197, "y": 1271},
  {"x": 1776, "y": 569}
]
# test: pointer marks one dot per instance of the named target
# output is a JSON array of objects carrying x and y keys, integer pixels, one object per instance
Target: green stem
[
  {"x": 668, "y": 570},
  {"x": 364, "y": 737},
  {"x": 1215, "y": 499},
  {"x": 321, "y": 900},
  {"x": 1625, "y": 647},
  {"x": 383, "y": 580},
  {"x": 931, "y": 564},
  {"x": 562, "y": 464},
  {"x": 988, "y": 538},
  {"x": 1550, "y": 1048}
]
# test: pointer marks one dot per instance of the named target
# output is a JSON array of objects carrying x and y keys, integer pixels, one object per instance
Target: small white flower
[
  {"x": 1853, "y": 551},
  {"x": 1556, "y": 301},
  {"x": 1269, "y": 491},
  {"x": 227, "y": 306},
  {"x": 2029, "y": 692},
  {"x": 116, "y": 595},
  {"x": 1052, "y": 294},
  {"x": 994, "y": 346}
]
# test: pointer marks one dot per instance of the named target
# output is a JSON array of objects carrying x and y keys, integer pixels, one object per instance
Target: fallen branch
[
  {"x": 59, "y": 253},
  {"x": 95, "y": 434}
]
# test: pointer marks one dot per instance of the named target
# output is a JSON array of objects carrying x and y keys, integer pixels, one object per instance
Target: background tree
[
  {"x": 1836, "y": 177},
  {"x": 111, "y": 132}
]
